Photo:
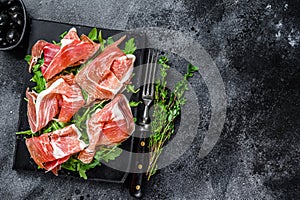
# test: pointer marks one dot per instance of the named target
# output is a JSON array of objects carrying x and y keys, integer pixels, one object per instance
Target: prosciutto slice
[
  {"x": 37, "y": 50},
  {"x": 50, "y": 150},
  {"x": 108, "y": 126},
  {"x": 62, "y": 97},
  {"x": 106, "y": 75},
  {"x": 72, "y": 52}
]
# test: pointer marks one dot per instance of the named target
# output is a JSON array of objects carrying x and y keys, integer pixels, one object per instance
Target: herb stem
[{"x": 166, "y": 108}]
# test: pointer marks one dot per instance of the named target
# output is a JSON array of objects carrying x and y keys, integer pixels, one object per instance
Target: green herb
[
  {"x": 93, "y": 35},
  {"x": 53, "y": 126},
  {"x": 100, "y": 38},
  {"x": 102, "y": 41},
  {"x": 60, "y": 37},
  {"x": 80, "y": 118},
  {"x": 84, "y": 114},
  {"x": 38, "y": 76},
  {"x": 28, "y": 58},
  {"x": 71, "y": 70},
  {"x": 129, "y": 46},
  {"x": 130, "y": 88},
  {"x": 98, "y": 106},
  {"x": 85, "y": 95},
  {"x": 56, "y": 43},
  {"x": 167, "y": 107},
  {"x": 104, "y": 154},
  {"x": 135, "y": 103},
  {"x": 97, "y": 37},
  {"x": 63, "y": 35},
  {"x": 109, "y": 41},
  {"x": 28, "y": 132}
]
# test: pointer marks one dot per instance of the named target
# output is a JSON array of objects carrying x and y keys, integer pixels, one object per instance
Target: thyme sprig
[{"x": 167, "y": 106}]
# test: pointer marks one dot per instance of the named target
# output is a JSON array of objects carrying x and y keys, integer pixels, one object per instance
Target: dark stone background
[{"x": 255, "y": 45}]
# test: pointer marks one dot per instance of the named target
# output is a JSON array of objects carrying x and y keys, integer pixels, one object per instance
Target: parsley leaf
[{"x": 130, "y": 46}]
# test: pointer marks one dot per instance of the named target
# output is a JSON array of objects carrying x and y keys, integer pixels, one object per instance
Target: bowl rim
[{"x": 23, "y": 31}]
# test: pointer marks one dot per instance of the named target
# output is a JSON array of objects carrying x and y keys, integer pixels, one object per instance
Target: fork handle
[
  {"x": 136, "y": 184},
  {"x": 146, "y": 114},
  {"x": 136, "y": 189}
]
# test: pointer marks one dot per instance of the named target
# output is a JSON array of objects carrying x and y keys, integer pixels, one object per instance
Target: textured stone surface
[{"x": 256, "y": 46}]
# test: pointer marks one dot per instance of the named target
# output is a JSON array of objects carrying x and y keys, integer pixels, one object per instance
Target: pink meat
[
  {"x": 108, "y": 126},
  {"x": 50, "y": 150},
  {"x": 50, "y": 51},
  {"x": 41, "y": 47},
  {"x": 73, "y": 51},
  {"x": 105, "y": 76},
  {"x": 55, "y": 165},
  {"x": 41, "y": 111},
  {"x": 60, "y": 98}
]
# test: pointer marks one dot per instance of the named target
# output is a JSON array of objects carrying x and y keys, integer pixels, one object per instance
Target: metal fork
[
  {"x": 148, "y": 87},
  {"x": 147, "y": 97}
]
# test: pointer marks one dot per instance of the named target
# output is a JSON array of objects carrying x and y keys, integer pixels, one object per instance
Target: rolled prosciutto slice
[
  {"x": 40, "y": 47},
  {"x": 108, "y": 126},
  {"x": 106, "y": 75},
  {"x": 72, "y": 52},
  {"x": 62, "y": 98},
  {"x": 50, "y": 150}
]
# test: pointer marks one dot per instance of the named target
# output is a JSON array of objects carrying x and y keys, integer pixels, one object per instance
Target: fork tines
[{"x": 148, "y": 87}]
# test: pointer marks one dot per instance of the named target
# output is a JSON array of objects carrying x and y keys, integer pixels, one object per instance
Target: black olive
[
  {"x": 10, "y": 2},
  {"x": 14, "y": 9},
  {"x": 4, "y": 19},
  {"x": 3, "y": 3},
  {"x": 1, "y": 40},
  {"x": 4, "y": 43},
  {"x": 19, "y": 22},
  {"x": 12, "y": 36},
  {"x": 17, "y": 19},
  {"x": 15, "y": 16}
]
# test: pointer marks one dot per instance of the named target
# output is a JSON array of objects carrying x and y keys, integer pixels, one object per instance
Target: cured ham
[
  {"x": 108, "y": 126},
  {"x": 102, "y": 78},
  {"x": 62, "y": 97},
  {"x": 37, "y": 50},
  {"x": 106, "y": 75},
  {"x": 72, "y": 52},
  {"x": 50, "y": 150}
]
